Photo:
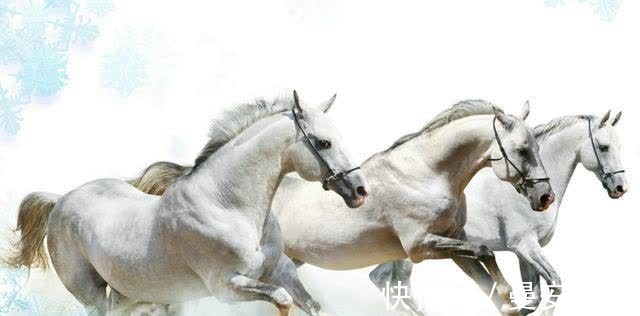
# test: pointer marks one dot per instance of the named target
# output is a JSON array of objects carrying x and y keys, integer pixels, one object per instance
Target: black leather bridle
[
  {"x": 524, "y": 181},
  {"x": 332, "y": 176},
  {"x": 603, "y": 172}
]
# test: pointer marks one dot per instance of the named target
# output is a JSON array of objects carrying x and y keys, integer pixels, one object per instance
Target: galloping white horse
[
  {"x": 416, "y": 204},
  {"x": 210, "y": 234},
  {"x": 507, "y": 224}
]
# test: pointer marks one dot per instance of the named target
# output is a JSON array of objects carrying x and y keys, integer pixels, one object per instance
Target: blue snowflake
[
  {"x": 43, "y": 71},
  {"x": 11, "y": 297},
  {"x": 35, "y": 17},
  {"x": 59, "y": 4},
  {"x": 84, "y": 31},
  {"x": 42, "y": 305},
  {"x": 100, "y": 7},
  {"x": 606, "y": 9},
  {"x": 124, "y": 70},
  {"x": 35, "y": 39},
  {"x": 10, "y": 112}
]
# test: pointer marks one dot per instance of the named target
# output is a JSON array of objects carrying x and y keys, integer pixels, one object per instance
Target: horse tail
[
  {"x": 156, "y": 178},
  {"x": 33, "y": 218}
]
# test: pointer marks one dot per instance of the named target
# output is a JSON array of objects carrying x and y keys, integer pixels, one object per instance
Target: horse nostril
[
  {"x": 361, "y": 191},
  {"x": 620, "y": 189},
  {"x": 545, "y": 198}
]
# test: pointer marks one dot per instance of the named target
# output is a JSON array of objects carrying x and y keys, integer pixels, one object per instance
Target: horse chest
[{"x": 441, "y": 211}]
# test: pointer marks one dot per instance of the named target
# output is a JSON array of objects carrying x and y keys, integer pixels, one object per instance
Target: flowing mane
[
  {"x": 236, "y": 119},
  {"x": 556, "y": 125},
  {"x": 459, "y": 110}
]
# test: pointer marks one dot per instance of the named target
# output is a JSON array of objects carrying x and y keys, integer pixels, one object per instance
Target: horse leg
[
  {"x": 431, "y": 246},
  {"x": 477, "y": 272},
  {"x": 78, "y": 276},
  {"x": 397, "y": 273},
  {"x": 250, "y": 290},
  {"x": 531, "y": 253},
  {"x": 284, "y": 274},
  {"x": 503, "y": 288},
  {"x": 122, "y": 305},
  {"x": 529, "y": 274}
]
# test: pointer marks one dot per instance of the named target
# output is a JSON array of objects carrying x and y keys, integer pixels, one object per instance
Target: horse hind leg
[
  {"x": 397, "y": 273},
  {"x": 120, "y": 305},
  {"x": 80, "y": 278}
]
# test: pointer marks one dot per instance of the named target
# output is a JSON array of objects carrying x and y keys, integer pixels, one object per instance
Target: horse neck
[
  {"x": 559, "y": 153},
  {"x": 245, "y": 173},
  {"x": 455, "y": 152}
]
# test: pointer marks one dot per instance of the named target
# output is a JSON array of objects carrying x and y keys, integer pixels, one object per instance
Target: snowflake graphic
[
  {"x": 41, "y": 305},
  {"x": 11, "y": 297},
  {"x": 100, "y": 7},
  {"x": 124, "y": 70},
  {"x": 10, "y": 112},
  {"x": 59, "y": 4},
  {"x": 85, "y": 32},
  {"x": 43, "y": 71},
  {"x": 35, "y": 39},
  {"x": 606, "y": 9}
]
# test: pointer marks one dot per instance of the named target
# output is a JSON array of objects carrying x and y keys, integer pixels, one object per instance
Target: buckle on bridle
[
  {"x": 336, "y": 176},
  {"x": 607, "y": 175},
  {"x": 521, "y": 185}
]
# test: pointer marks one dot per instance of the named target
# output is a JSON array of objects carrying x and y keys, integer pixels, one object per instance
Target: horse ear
[
  {"x": 324, "y": 107},
  {"x": 296, "y": 102},
  {"x": 506, "y": 121},
  {"x": 525, "y": 111},
  {"x": 617, "y": 119},
  {"x": 605, "y": 118}
]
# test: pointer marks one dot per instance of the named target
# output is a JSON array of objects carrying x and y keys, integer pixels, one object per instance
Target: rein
[
  {"x": 524, "y": 181},
  {"x": 604, "y": 173},
  {"x": 332, "y": 176}
]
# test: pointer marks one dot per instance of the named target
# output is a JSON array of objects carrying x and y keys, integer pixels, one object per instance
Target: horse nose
[
  {"x": 361, "y": 191},
  {"x": 620, "y": 188},
  {"x": 546, "y": 200}
]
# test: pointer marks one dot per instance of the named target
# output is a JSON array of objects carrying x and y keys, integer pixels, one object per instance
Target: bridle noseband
[
  {"x": 524, "y": 181},
  {"x": 604, "y": 173},
  {"x": 332, "y": 176}
]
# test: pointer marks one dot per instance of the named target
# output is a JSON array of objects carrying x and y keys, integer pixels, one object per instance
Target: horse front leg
[
  {"x": 529, "y": 274},
  {"x": 479, "y": 274},
  {"x": 531, "y": 253},
  {"x": 248, "y": 289},
  {"x": 433, "y": 246},
  {"x": 284, "y": 274},
  {"x": 397, "y": 273}
]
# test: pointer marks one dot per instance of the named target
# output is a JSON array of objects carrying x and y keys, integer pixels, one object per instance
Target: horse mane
[
  {"x": 458, "y": 111},
  {"x": 157, "y": 177},
  {"x": 236, "y": 119},
  {"x": 558, "y": 124}
]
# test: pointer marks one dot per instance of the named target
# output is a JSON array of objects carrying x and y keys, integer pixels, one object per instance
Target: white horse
[
  {"x": 506, "y": 223},
  {"x": 416, "y": 204},
  {"x": 210, "y": 234}
]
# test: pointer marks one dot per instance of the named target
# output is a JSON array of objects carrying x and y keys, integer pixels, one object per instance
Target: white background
[{"x": 394, "y": 65}]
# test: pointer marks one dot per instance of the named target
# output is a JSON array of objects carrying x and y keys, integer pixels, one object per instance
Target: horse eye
[
  {"x": 523, "y": 151},
  {"x": 324, "y": 144},
  {"x": 604, "y": 148}
]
